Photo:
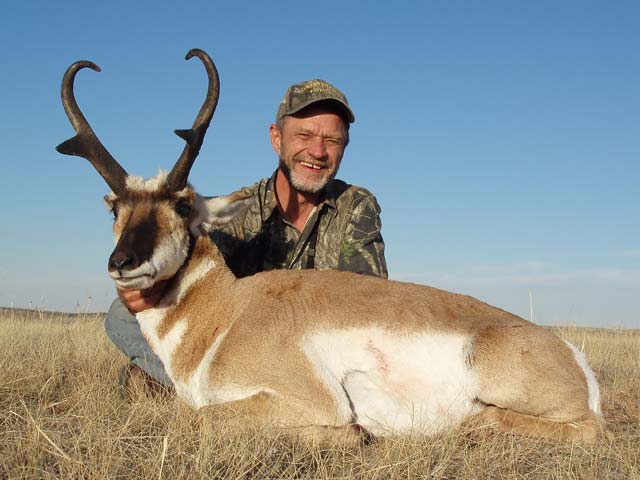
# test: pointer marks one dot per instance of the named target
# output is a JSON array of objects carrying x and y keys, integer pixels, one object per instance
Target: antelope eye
[{"x": 183, "y": 209}]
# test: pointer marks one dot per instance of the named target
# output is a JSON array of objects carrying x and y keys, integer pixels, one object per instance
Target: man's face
[{"x": 310, "y": 146}]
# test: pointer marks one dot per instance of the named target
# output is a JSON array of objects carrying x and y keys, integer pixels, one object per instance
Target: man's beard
[{"x": 301, "y": 184}]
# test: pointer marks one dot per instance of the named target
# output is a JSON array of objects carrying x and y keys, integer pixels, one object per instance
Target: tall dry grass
[{"x": 61, "y": 417}]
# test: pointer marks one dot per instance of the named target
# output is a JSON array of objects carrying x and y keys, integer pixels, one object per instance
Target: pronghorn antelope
[{"x": 323, "y": 350}]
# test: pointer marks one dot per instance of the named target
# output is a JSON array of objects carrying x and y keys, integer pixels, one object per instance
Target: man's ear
[
  {"x": 110, "y": 200},
  {"x": 276, "y": 138},
  {"x": 219, "y": 210}
]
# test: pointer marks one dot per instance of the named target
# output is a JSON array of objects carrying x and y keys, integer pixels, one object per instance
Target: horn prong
[{"x": 85, "y": 143}]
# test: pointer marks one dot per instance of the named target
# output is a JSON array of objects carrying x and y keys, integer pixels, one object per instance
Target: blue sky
[{"x": 501, "y": 138}]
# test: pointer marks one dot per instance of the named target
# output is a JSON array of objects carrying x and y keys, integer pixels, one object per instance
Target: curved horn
[
  {"x": 85, "y": 144},
  {"x": 194, "y": 137}
]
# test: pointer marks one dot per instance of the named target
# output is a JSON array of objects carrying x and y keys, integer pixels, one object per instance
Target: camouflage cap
[{"x": 303, "y": 94}]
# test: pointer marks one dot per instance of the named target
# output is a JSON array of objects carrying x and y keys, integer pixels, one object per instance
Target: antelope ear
[
  {"x": 110, "y": 200},
  {"x": 220, "y": 210}
]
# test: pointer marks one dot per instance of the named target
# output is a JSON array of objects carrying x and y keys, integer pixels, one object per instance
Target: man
[{"x": 301, "y": 217}]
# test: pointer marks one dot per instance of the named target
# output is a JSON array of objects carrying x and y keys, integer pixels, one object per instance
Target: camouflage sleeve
[{"x": 362, "y": 247}]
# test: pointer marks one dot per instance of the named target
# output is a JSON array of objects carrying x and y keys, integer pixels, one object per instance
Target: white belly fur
[{"x": 397, "y": 383}]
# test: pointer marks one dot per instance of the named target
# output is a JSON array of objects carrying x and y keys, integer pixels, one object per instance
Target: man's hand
[{"x": 139, "y": 300}]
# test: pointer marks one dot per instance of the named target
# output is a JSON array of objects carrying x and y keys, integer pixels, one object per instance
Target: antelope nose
[{"x": 120, "y": 260}]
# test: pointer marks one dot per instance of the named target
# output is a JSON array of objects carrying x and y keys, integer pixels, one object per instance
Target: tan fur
[
  {"x": 529, "y": 380},
  {"x": 512, "y": 354},
  {"x": 587, "y": 429},
  {"x": 265, "y": 409},
  {"x": 510, "y": 362},
  {"x": 200, "y": 334}
]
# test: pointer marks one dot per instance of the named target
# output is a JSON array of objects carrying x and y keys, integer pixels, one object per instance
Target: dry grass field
[{"x": 61, "y": 417}]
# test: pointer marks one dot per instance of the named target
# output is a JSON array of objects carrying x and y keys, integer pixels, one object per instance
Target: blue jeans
[{"x": 124, "y": 331}]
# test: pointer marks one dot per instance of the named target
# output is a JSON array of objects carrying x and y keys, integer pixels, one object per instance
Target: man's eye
[
  {"x": 114, "y": 212},
  {"x": 183, "y": 209}
]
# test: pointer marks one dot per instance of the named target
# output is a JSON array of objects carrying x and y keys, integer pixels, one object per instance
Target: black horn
[
  {"x": 86, "y": 144},
  {"x": 194, "y": 137}
]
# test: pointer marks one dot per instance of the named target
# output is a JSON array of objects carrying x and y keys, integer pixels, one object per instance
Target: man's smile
[{"x": 312, "y": 166}]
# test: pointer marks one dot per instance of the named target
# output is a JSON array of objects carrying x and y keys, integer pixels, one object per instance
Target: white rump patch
[
  {"x": 592, "y": 383},
  {"x": 397, "y": 383}
]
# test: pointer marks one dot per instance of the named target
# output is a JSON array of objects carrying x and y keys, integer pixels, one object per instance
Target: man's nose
[{"x": 317, "y": 148}]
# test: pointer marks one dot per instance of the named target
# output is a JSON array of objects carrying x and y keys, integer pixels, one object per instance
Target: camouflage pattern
[
  {"x": 301, "y": 95},
  {"x": 348, "y": 233}
]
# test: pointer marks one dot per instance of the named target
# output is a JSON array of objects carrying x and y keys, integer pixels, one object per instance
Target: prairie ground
[{"x": 61, "y": 417}]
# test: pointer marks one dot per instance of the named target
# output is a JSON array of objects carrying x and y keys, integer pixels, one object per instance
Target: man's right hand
[{"x": 139, "y": 300}]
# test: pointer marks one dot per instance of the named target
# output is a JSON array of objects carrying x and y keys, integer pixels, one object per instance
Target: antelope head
[{"x": 155, "y": 220}]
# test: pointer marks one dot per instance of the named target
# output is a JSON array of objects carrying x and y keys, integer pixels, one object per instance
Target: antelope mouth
[
  {"x": 138, "y": 279},
  {"x": 140, "y": 282}
]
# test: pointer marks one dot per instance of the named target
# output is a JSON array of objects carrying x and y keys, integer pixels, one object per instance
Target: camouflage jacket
[{"x": 345, "y": 224}]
